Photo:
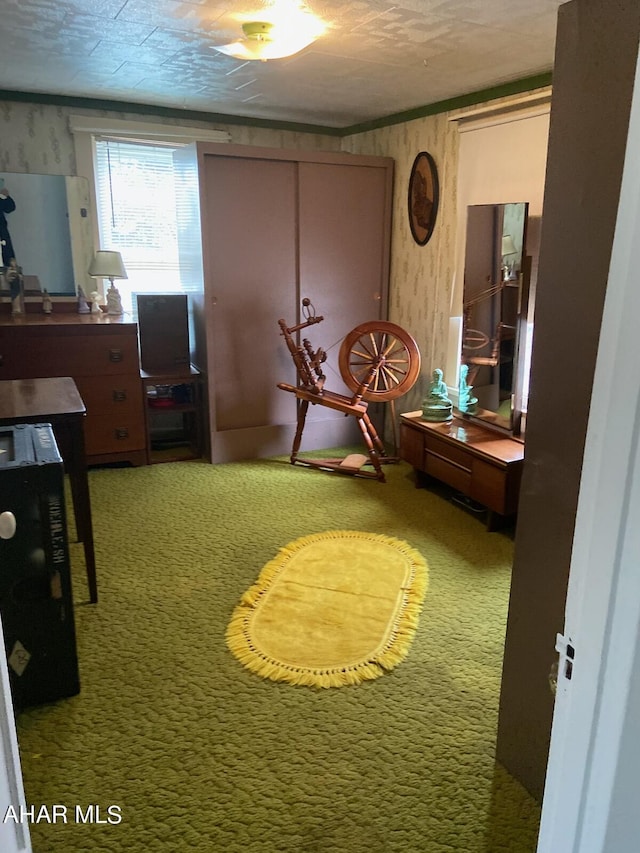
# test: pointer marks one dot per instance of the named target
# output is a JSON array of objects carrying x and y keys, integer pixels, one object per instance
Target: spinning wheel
[
  {"x": 390, "y": 349},
  {"x": 475, "y": 339},
  {"x": 378, "y": 361}
]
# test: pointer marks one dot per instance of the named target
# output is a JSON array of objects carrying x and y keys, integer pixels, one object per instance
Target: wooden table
[{"x": 56, "y": 401}]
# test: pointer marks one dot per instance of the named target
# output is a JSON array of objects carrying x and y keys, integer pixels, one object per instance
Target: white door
[
  {"x": 591, "y": 802},
  {"x": 14, "y": 833}
]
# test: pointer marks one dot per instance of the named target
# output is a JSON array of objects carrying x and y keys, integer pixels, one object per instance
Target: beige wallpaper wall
[
  {"x": 423, "y": 292},
  {"x": 36, "y": 138},
  {"x": 421, "y": 276}
]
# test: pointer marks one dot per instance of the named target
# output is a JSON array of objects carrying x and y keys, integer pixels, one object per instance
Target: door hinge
[{"x": 567, "y": 653}]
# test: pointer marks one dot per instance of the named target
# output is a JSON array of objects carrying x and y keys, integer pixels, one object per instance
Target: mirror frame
[
  {"x": 29, "y": 230},
  {"x": 499, "y": 276}
]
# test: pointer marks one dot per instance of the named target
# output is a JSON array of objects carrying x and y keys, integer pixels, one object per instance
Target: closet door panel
[
  {"x": 249, "y": 221},
  {"x": 344, "y": 227}
]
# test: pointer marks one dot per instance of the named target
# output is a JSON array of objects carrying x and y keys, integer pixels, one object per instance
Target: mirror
[
  {"x": 497, "y": 321},
  {"x": 51, "y": 231}
]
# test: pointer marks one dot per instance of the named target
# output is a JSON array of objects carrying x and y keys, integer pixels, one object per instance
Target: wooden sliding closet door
[
  {"x": 250, "y": 261},
  {"x": 278, "y": 226},
  {"x": 343, "y": 253}
]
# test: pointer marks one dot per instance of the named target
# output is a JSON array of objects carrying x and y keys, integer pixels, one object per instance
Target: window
[
  {"x": 129, "y": 164},
  {"x": 136, "y": 211}
]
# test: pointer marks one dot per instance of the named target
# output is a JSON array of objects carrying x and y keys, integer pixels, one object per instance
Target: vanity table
[
  {"x": 100, "y": 353},
  {"x": 480, "y": 463}
]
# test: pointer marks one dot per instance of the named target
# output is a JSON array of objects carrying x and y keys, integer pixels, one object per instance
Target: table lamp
[
  {"x": 108, "y": 264},
  {"x": 508, "y": 250}
]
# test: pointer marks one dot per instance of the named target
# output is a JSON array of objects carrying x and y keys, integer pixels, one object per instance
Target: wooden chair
[{"x": 378, "y": 361}]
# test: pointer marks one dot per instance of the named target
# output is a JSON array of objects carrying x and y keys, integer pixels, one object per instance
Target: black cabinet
[{"x": 35, "y": 581}]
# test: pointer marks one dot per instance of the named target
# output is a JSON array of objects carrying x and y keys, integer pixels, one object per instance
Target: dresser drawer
[
  {"x": 111, "y": 394},
  {"x": 100, "y": 353},
  {"x": 114, "y": 432},
  {"x": 90, "y": 355}
]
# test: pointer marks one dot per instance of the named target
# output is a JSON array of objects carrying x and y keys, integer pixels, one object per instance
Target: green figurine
[
  {"x": 437, "y": 406},
  {"x": 466, "y": 401}
]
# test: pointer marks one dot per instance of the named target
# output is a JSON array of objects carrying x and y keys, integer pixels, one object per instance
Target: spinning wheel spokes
[
  {"x": 474, "y": 339},
  {"x": 378, "y": 361},
  {"x": 387, "y": 348}
]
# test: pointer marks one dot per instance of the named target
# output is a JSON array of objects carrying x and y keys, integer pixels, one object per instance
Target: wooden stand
[{"x": 183, "y": 388}]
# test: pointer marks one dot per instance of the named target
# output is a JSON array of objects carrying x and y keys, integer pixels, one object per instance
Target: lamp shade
[
  {"x": 289, "y": 27},
  {"x": 107, "y": 264},
  {"x": 264, "y": 40}
]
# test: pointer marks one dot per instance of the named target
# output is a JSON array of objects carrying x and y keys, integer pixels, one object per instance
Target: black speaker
[
  {"x": 163, "y": 329},
  {"x": 36, "y": 600}
]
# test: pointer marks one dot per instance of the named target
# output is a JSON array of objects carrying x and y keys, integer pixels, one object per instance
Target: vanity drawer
[
  {"x": 454, "y": 475},
  {"x": 488, "y": 486},
  {"x": 458, "y": 455},
  {"x": 412, "y": 446},
  {"x": 495, "y": 487}
]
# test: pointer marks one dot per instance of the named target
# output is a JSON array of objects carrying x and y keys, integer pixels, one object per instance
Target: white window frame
[{"x": 85, "y": 129}]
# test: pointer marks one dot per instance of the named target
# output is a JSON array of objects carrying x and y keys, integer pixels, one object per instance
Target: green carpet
[{"x": 200, "y": 754}]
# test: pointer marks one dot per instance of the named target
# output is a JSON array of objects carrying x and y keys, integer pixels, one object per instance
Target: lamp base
[{"x": 114, "y": 302}]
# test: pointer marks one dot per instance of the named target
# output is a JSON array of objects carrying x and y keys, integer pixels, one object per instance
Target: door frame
[
  {"x": 14, "y": 828},
  {"x": 587, "y": 803}
]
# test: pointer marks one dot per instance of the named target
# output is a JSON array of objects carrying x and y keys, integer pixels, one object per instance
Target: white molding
[
  {"x": 515, "y": 109},
  {"x": 125, "y": 129}
]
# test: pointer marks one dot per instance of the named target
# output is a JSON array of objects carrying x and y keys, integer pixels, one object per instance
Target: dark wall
[{"x": 596, "y": 54}]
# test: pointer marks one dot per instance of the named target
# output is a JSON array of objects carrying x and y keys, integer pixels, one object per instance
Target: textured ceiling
[{"x": 375, "y": 59}]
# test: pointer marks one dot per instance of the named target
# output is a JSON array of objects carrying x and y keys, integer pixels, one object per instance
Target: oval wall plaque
[{"x": 423, "y": 197}]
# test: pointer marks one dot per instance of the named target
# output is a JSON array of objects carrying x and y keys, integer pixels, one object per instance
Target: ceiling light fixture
[{"x": 289, "y": 29}]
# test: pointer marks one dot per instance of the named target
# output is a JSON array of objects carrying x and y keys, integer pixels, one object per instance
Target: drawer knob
[
  {"x": 115, "y": 355},
  {"x": 7, "y": 525},
  {"x": 119, "y": 396},
  {"x": 121, "y": 432}
]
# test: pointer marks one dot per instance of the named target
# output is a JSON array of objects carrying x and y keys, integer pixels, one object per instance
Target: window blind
[{"x": 136, "y": 209}]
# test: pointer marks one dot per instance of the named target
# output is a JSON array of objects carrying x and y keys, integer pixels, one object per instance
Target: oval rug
[{"x": 331, "y": 609}]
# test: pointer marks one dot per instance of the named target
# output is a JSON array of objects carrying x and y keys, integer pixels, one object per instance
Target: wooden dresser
[
  {"x": 480, "y": 463},
  {"x": 100, "y": 352}
]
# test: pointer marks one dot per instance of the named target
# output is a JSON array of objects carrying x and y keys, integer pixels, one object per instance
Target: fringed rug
[{"x": 331, "y": 609}]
